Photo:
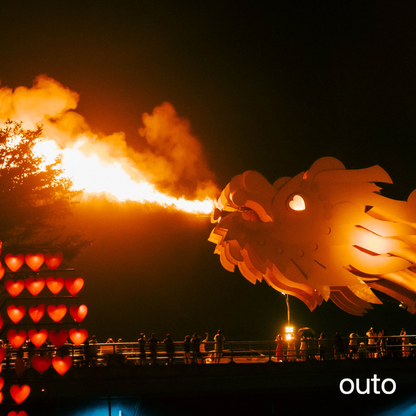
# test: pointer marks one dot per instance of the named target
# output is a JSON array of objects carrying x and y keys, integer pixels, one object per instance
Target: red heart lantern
[
  {"x": 78, "y": 312},
  {"x": 74, "y": 285},
  {"x": 34, "y": 261},
  {"x": 2, "y": 271},
  {"x": 14, "y": 288},
  {"x": 41, "y": 364},
  {"x": 13, "y": 413},
  {"x": 16, "y": 313},
  {"x": 78, "y": 336},
  {"x": 16, "y": 338},
  {"x": 1, "y": 383},
  {"x": 19, "y": 393},
  {"x": 2, "y": 355},
  {"x": 56, "y": 312},
  {"x": 55, "y": 285},
  {"x": 1, "y": 321},
  {"x": 14, "y": 263},
  {"x": 1, "y": 399},
  {"x": 38, "y": 338},
  {"x": 61, "y": 364},
  {"x": 35, "y": 286},
  {"x": 19, "y": 366},
  {"x": 53, "y": 261},
  {"x": 37, "y": 312},
  {"x": 58, "y": 338}
]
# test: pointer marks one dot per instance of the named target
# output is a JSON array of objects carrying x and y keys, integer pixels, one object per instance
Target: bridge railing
[{"x": 231, "y": 351}]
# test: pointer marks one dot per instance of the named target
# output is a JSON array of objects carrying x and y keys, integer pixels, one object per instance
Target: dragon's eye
[{"x": 296, "y": 203}]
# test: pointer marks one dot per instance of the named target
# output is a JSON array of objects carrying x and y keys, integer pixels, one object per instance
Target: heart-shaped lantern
[
  {"x": 16, "y": 338},
  {"x": 61, "y": 364},
  {"x": 2, "y": 354},
  {"x": 14, "y": 262},
  {"x": 1, "y": 399},
  {"x": 16, "y": 313},
  {"x": 78, "y": 312},
  {"x": 34, "y": 261},
  {"x": 14, "y": 413},
  {"x": 19, "y": 393},
  {"x": 1, "y": 383},
  {"x": 58, "y": 338},
  {"x": 38, "y": 338},
  {"x": 41, "y": 364},
  {"x": 55, "y": 285},
  {"x": 37, "y": 312},
  {"x": 19, "y": 366},
  {"x": 73, "y": 286},
  {"x": 1, "y": 321},
  {"x": 78, "y": 336},
  {"x": 35, "y": 286},
  {"x": 2, "y": 271},
  {"x": 53, "y": 261},
  {"x": 56, "y": 312},
  {"x": 14, "y": 287}
]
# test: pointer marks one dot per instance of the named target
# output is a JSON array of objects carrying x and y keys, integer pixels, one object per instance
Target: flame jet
[{"x": 326, "y": 233}]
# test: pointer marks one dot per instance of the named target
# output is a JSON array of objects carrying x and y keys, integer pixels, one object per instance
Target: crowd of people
[{"x": 373, "y": 345}]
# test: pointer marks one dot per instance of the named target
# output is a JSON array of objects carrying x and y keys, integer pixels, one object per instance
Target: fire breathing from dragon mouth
[
  {"x": 171, "y": 171},
  {"x": 325, "y": 234}
]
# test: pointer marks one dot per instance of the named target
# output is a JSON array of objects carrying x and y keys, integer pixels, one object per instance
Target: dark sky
[{"x": 268, "y": 88}]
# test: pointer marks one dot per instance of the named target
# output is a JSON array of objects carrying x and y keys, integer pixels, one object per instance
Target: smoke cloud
[{"x": 173, "y": 161}]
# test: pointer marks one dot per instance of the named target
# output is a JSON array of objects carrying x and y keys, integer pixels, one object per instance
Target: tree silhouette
[{"x": 35, "y": 199}]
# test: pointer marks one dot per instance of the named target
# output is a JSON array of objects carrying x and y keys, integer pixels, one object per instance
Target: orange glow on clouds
[{"x": 173, "y": 163}]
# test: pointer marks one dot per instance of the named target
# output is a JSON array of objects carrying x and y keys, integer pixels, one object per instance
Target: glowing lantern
[
  {"x": 14, "y": 413},
  {"x": 1, "y": 383},
  {"x": 58, "y": 338},
  {"x": 16, "y": 338},
  {"x": 34, "y": 261},
  {"x": 14, "y": 262},
  {"x": 16, "y": 313},
  {"x": 41, "y": 364},
  {"x": 1, "y": 321},
  {"x": 56, "y": 312},
  {"x": 53, "y": 261},
  {"x": 2, "y": 271},
  {"x": 19, "y": 366},
  {"x": 38, "y": 338},
  {"x": 2, "y": 354},
  {"x": 78, "y": 312},
  {"x": 297, "y": 203},
  {"x": 35, "y": 286},
  {"x": 37, "y": 312},
  {"x": 55, "y": 285},
  {"x": 14, "y": 287},
  {"x": 61, "y": 364},
  {"x": 19, "y": 393},
  {"x": 78, "y": 336},
  {"x": 1, "y": 399},
  {"x": 74, "y": 285}
]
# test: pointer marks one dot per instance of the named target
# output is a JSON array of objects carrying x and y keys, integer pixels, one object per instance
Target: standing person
[
  {"x": 187, "y": 350},
  {"x": 382, "y": 343},
  {"x": 219, "y": 341},
  {"x": 322, "y": 344},
  {"x": 372, "y": 343},
  {"x": 142, "y": 349},
  {"x": 202, "y": 347},
  {"x": 170, "y": 348},
  {"x": 196, "y": 353},
  {"x": 153, "y": 341},
  {"x": 354, "y": 344},
  {"x": 405, "y": 343},
  {"x": 338, "y": 346},
  {"x": 303, "y": 348},
  {"x": 279, "y": 348}
]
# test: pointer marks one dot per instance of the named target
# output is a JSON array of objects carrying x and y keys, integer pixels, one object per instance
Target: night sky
[{"x": 265, "y": 88}]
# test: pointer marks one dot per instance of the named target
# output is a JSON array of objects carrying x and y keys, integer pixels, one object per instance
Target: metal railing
[{"x": 98, "y": 354}]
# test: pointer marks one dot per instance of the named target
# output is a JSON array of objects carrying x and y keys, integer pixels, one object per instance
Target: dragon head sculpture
[{"x": 326, "y": 233}]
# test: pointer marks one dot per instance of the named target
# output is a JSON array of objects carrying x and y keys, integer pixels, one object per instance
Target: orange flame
[{"x": 172, "y": 164}]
